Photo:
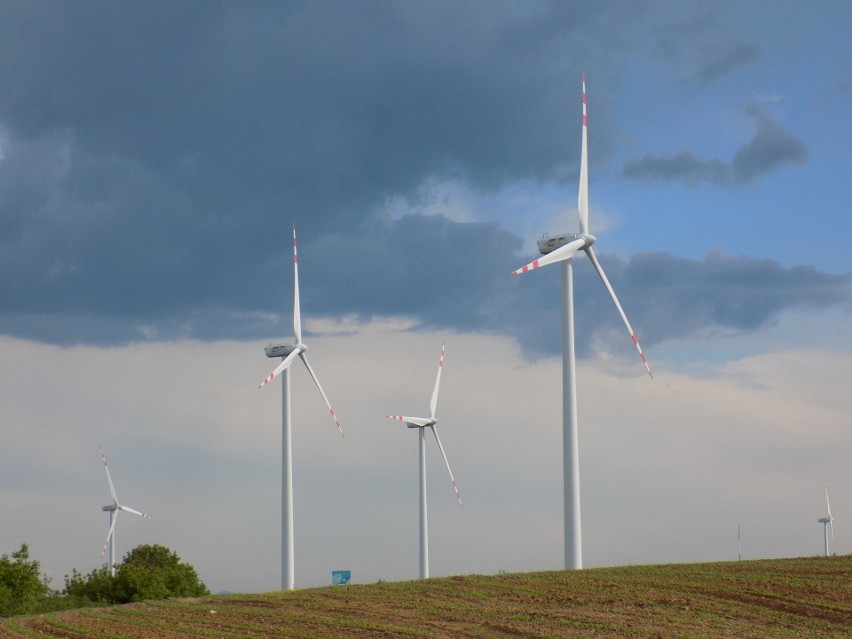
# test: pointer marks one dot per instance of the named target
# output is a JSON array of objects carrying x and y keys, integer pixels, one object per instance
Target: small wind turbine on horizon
[
  {"x": 562, "y": 248},
  {"x": 739, "y": 544},
  {"x": 113, "y": 509},
  {"x": 827, "y": 522},
  {"x": 422, "y": 423},
  {"x": 288, "y": 353}
]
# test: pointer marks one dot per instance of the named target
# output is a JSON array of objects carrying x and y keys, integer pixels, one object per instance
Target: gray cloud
[
  {"x": 318, "y": 108},
  {"x": 669, "y": 297},
  {"x": 682, "y": 297},
  {"x": 153, "y": 160},
  {"x": 449, "y": 275},
  {"x": 738, "y": 54},
  {"x": 702, "y": 44},
  {"x": 154, "y": 155},
  {"x": 770, "y": 148}
]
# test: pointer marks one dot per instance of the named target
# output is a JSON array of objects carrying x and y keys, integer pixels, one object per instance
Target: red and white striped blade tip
[
  {"x": 528, "y": 267},
  {"x": 642, "y": 355},
  {"x": 458, "y": 495},
  {"x": 336, "y": 421},
  {"x": 267, "y": 380},
  {"x": 133, "y": 511}
]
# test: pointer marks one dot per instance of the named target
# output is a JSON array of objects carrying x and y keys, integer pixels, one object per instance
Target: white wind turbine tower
[
  {"x": 288, "y": 353},
  {"x": 562, "y": 248},
  {"x": 827, "y": 522},
  {"x": 422, "y": 423},
  {"x": 113, "y": 509}
]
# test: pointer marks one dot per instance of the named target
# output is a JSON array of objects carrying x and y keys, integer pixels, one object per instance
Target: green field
[{"x": 809, "y": 597}]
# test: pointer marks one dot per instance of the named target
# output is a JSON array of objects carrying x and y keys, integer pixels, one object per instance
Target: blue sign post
[{"x": 340, "y": 577}]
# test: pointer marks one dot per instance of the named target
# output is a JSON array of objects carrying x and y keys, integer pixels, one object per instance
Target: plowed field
[{"x": 774, "y": 598}]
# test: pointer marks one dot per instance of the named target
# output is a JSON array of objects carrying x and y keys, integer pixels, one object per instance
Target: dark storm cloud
[
  {"x": 455, "y": 275},
  {"x": 306, "y": 104},
  {"x": 738, "y": 54},
  {"x": 668, "y": 297},
  {"x": 154, "y": 154},
  {"x": 770, "y": 148},
  {"x": 678, "y": 297},
  {"x": 702, "y": 45}
]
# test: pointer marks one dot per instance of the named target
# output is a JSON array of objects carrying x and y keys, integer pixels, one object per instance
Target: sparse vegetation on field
[{"x": 772, "y": 598}]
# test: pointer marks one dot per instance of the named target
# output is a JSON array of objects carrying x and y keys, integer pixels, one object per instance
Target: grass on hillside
[{"x": 809, "y": 597}]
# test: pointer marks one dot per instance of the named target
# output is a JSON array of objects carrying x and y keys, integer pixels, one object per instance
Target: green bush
[
  {"x": 96, "y": 587},
  {"x": 148, "y": 572},
  {"x": 22, "y": 590}
]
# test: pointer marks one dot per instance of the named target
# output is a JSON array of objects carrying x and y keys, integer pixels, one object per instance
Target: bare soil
[{"x": 809, "y": 597}]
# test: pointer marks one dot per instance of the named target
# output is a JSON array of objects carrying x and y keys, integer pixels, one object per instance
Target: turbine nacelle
[
  {"x": 414, "y": 422},
  {"x": 109, "y": 508},
  {"x": 281, "y": 350},
  {"x": 428, "y": 424},
  {"x": 550, "y": 243}
]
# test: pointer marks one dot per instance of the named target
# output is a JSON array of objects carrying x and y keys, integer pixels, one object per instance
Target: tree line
[{"x": 147, "y": 572}]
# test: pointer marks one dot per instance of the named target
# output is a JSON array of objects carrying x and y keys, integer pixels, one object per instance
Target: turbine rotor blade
[
  {"x": 828, "y": 505},
  {"x": 433, "y": 404},
  {"x": 583, "y": 196},
  {"x": 133, "y": 512},
  {"x": 444, "y": 455},
  {"x": 322, "y": 392},
  {"x": 109, "y": 478},
  {"x": 285, "y": 363},
  {"x": 297, "y": 313},
  {"x": 591, "y": 253},
  {"x": 109, "y": 534},
  {"x": 564, "y": 252}
]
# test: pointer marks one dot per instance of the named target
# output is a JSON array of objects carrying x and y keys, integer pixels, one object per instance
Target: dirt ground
[{"x": 809, "y": 597}]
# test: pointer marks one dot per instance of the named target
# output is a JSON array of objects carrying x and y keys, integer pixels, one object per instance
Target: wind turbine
[
  {"x": 113, "y": 509},
  {"x": 827, "y": 522},
  {"x": 288, "y": 353},
  {"x": 422, "y": 423},
  {"x": 562, "y": 248}
]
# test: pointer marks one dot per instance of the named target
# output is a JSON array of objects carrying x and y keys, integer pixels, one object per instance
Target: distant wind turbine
[
  {"x": 827, "y": 522},
  {"x": 739, "y": 545},
  {"x": 422, "y": 423},
  {"x": 562, "y": 248},
  {"x": 113, "y": 509},
  {"x": 288, "y": 353}
]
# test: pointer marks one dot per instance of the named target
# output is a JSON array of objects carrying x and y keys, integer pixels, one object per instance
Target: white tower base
[{"x": 570, "y": 438}]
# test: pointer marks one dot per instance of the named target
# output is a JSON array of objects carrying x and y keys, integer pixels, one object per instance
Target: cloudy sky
[{"x": 153, "y": 157}]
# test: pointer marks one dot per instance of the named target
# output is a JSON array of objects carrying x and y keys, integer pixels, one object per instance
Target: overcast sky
[{"x": 152, "y": 160}]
